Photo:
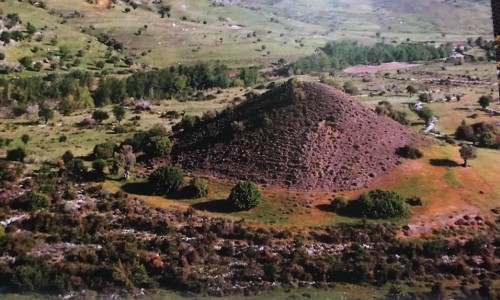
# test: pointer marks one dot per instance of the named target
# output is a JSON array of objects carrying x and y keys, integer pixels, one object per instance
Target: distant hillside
[
  {"x": 302, "y": 135},
  {"x": 238, "y": 32}
]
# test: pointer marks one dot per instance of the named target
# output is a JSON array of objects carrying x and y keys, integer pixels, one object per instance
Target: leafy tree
[
  {"x": 17, "y": 154},
  {"x": 411, "y": 90},
  {"x": 99, "y": 116},
  {"x": 380, "y": 204},
  {"x": 77, "y": 167},
  {"x": 425, "y": 114},
  {"x": 244, "y": 195},
  {"x": 46, "y": 113},
  {"x": 125, "y": 158},
  {"x": 484, "y": 101},
  {"x": 119, "y": 112},
  {"x": 166, "y": 179},
  {"x": 25, "y": 138},
  {"x": 104, "y": 150},
  {"x": 467, "y": 152}
]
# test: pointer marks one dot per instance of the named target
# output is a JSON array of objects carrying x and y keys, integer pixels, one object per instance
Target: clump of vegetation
[
  {"x": 197, "y": 188},
  {"x": 104, "y": 150},
  {"x": 244, "y": 196},
  {"x": 385, "y": 108},
  {"x": 425, "y": 98},
  {"x": 16, "y": 154},
  {"x": 410, "y": 152},
  {"x": 484, "y": 101},
  {"x": 380, "y": 204},
  {"x": 376, "y": 204},
  {"x": 467, "y": 152},
  {"x": 166, "y": 180}
]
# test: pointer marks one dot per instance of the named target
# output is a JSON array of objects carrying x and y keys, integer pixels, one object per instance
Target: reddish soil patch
[
  {"x": 317, "y": 138},
  {"x": 382, "y": 67}
]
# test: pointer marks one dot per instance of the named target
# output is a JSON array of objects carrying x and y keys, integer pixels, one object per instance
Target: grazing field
[{"x": 248, "y": 33}]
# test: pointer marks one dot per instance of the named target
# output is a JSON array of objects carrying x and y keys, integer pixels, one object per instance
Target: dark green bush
[
  {"x": 197, "y": 188},
  {"x": 380, "y": 204},
  {"x": 166, "y": 179},
  {"x": 339, "y": 204},
  {"x": 104, "y": 150},
  {"x": 68, "y": 157},
  {"x": 98, "y": 165},
  {"x": 17, "y": 154},
  {"x": 244, "y": 195},
  {"x": 158, "y": 146},
  {"x": 410, "y": 152}
]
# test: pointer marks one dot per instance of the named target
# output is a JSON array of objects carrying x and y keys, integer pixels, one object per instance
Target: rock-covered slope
[{"x": 302, "y": 135}]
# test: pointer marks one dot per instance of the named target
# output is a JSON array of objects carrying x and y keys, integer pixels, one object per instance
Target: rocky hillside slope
[{"x": 301, "y": 135}]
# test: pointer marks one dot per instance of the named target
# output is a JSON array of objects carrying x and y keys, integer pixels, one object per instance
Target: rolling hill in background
[{"x": 240, "y": 31}]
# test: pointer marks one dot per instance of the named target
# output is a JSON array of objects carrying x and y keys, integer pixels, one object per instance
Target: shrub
[
  {"x": 36, "y": 201},
  {"x": 244, "y": 195},
  {"x": 158, "y": 146},
  {"x": 380, "y": 204},
  {"x": 198, "y": 188},
  {"x": 434, "y": 248},
  {"x": 62, "y": 138},
  {"x": 98, "y": 165},
  {"x": 25, "y": 138},
  {"x": 350, "y": 88},
  {"x": 339, "y": 204},
  {"x": 484, "y": 101},
  {"x": 47, "y": 189},
  {"x": 68, "y": 157},
  {"x": 104, "y": 150},
  {"x": 464, "y": 132},
  {"x": 426, "y": 98},
  {"x": 17, "y": 154},
  {"x": 410, "y": 152},
  {"x": 76, "y": 167},
  {"x": 166, "y": 179}
]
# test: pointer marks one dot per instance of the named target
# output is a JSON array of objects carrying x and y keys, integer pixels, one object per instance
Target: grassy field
[{"x": 236, "y": 34}]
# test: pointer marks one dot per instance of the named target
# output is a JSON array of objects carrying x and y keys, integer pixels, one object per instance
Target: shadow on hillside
[
  {"x": 28, "y": 123},
  {"x": 443, "y": 162},
  {"x": 417, "y": 123},
  {"x": 138, "y": 188},
  {"x": 325, "y": 207},
  {"x": 218, "y": 206}
]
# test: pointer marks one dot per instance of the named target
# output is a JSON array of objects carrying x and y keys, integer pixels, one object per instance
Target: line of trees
[
  {"x": 338, "y": 55},
  {"x": 77, "y": 89}
]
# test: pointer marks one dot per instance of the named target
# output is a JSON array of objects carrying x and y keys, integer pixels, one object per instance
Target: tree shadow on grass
[
  {"x": 443, "y": 162},
  {"x": 217, "y": 206},
  {"x": 138, "y": 188},
  {"x": 325, "y": 207}
]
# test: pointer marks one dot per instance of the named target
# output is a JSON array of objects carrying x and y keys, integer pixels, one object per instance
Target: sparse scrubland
[{"x": 257, "y": 149}]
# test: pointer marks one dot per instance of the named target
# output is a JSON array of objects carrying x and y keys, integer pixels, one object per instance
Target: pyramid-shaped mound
[{"x": 300, "y": 135}]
